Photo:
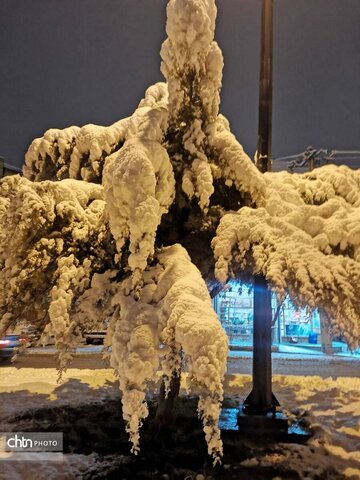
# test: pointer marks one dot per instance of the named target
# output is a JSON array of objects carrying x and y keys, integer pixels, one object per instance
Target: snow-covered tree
[{"x": 136, "y": 222}]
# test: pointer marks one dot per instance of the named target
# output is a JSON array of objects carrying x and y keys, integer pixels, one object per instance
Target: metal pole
[
  {"x": 263, "y": 157},
  {"x": 261, "y": 399}
]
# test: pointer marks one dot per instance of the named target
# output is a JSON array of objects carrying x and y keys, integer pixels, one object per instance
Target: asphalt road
[
  {"x": 238, "y": 362},
  {"x": 323, "y": 366}
]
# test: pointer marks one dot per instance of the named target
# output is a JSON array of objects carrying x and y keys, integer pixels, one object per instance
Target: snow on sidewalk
[{"x": 332, "y": 410}]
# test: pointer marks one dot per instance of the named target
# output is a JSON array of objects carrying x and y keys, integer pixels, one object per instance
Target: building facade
[{"x": 234, "y": 306}]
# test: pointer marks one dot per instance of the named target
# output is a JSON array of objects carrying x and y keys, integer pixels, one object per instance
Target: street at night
[{"x": 239, "y": 362}]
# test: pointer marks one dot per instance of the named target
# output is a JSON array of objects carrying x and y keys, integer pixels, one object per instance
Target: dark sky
[{"x": 65, "y": 62}]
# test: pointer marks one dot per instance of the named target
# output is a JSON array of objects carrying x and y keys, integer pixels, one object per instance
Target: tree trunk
[
  {"x": 326, "y": 341},
  {"x": 166, "y": 411}
]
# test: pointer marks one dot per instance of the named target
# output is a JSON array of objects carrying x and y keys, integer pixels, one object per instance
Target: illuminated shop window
[{"x": 234, "y": 306}]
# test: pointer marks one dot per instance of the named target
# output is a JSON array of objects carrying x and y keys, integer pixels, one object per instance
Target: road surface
[{"x": 238, "y": 362}]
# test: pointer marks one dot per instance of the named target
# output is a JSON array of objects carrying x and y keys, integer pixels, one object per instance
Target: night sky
[{"x": 89, "y": 61}]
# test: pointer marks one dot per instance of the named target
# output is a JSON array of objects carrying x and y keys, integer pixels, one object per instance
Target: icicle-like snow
[
  {"x": 194, "y": 328},
  {"x": 135, "y": 353},
  {"x": 173, "y": 314}
]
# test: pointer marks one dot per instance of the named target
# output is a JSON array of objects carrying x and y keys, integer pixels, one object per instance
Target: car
[
  {"x": 95, "y": 337},
  {"x": 34, "y": 337},
  {"x": 30, "y": 334},
  {"x": 9, "y": 343}
]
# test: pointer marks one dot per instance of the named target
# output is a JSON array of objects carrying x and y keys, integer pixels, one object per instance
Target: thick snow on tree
[
  {"x": 80, "y": 153},
  {"x": 134, "y": 222},
  {"x": 172, "y": 317},
  {"x": 139, "y": 185},
  {"x": 305, "y": 239},
  {"x": 53, "y": 237}
]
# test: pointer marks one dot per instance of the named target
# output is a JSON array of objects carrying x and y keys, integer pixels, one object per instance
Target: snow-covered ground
[{"x": 331, "y": 408}]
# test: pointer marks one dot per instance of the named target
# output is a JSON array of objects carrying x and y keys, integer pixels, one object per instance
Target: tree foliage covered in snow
[
  {"x": 53, "y": 237},
  {"x": 135, "y": 222},
  {"x": 305, "y": 238}
]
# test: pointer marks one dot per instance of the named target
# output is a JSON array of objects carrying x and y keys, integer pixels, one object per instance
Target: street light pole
[
  {"x": 261, "y": 399},
  {"x": 259, "y": 415},
  {"x": 263, "y": 154}
]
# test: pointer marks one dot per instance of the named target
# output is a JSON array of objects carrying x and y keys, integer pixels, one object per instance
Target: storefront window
[{"x": 234, "y": 306}]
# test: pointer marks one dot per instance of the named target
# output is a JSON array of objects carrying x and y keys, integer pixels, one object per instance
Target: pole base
[
  {"x": 254, "y": 405},
  {"x": 236, "y": 425},
  {"x": 271, "y": 423}
]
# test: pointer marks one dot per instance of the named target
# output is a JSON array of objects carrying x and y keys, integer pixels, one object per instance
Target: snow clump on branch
[
  {"x": 139, "y": 186},
  {"x": 172, "y": 316},
  {"x": 80, "y": 153},
  {"x": 192, "y": 65},
  {"x": 192, "y": 61}
]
